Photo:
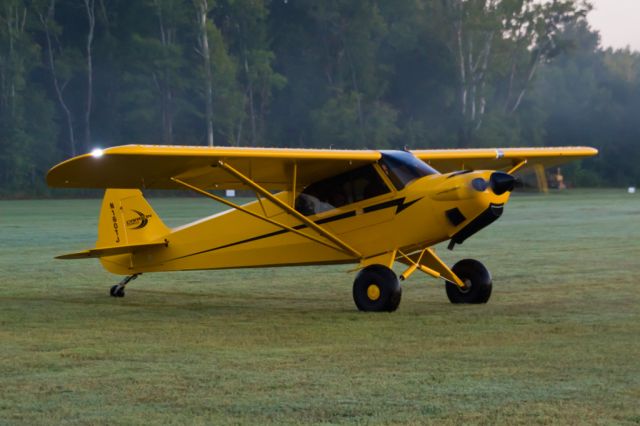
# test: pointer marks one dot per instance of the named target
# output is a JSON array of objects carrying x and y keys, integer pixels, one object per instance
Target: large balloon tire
[
  {"x": 377, "y": 289},
  {"x": 478, "y": 280}
]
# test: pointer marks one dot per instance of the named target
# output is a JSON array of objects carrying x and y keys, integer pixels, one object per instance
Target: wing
[
  {"x": 448, "y": 160},
  {"x": 152, "y": 167}
]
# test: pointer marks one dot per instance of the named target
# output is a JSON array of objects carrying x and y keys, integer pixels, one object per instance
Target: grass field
[{"x": 559, "y": 342}]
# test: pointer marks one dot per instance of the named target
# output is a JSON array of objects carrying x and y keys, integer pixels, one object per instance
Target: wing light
[{"x": 97, "y": 152}]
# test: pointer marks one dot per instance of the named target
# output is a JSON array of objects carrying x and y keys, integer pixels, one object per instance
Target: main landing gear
[
  {"x": 376, "y": 288},
  {"x": 477, "y": 279},
  {"x": 118, "y": 289}
]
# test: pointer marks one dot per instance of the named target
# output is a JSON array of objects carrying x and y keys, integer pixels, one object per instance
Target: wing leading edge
[{"x": 449, "y": 160}]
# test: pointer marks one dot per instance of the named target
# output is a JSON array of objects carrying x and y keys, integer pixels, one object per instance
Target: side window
[{"x": 337, "y": 191}]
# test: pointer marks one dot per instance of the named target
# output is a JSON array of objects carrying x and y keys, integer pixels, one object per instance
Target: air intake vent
[{"x": 455, "y": 216}]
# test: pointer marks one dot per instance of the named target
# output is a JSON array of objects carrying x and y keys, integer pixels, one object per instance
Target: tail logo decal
[{"x": 138, "y": 222}]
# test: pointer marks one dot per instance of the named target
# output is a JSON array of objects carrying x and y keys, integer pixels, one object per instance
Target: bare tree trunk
[
  {"x": 169, "y": 113},
  {"x": 252, "y": 108},
  {"x": 483, "y": 63},
  {"x": 532, "y": 71},
  {"x": 354, "y": 82},
  {"x": 15, "y": 28},
  {"x": 105, "y": 16},
  {"x": 91, "y": 17},
  {"x": 203, "y": 8},
  {"x": 472, "y": 68},
  {"x": 59, "y": 88},
  {"x": 166, "y": 94},
  {"x": 463, "y": 68},
  {"x": 239, "y": 133},
  {"x": 264, "y": 102},
  {"x": 512, "y": 75},
  {"x": 472, "y": 45}
]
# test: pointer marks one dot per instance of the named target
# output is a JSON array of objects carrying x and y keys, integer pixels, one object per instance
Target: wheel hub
[
  {"x": 373, "y": 292},
  {"x": 467, "y": 286}
]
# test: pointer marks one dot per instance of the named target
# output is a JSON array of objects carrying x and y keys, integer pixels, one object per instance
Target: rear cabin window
[
  {"x": 403, "y": 167},
  {"x": 337, "y": 191}
]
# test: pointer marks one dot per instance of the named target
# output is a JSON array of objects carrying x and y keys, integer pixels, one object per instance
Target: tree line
[{"x": 79, "y": 74}]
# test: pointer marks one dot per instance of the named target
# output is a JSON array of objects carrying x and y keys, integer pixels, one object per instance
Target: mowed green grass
[{"x": 559, "y": 341}]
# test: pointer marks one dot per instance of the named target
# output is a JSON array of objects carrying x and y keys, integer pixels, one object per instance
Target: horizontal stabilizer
[{"x": 111, "y": 251}]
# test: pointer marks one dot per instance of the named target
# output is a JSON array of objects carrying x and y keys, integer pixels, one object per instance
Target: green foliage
[
  {"x": 346, "y": 121},
  {"x": 245, "y": 24},
  {"x": 25, "y": 113},
  {"x": 340, "y": 73},
  {"x": 589, "y": 102},
  {"x": 227, "y": 92}
]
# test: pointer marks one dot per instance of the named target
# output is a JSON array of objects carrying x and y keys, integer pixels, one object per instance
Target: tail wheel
[
  {"x": 116, "y": 291},
  {"x": 477, "y": 278},
  {"x": 376, "y": 288}
]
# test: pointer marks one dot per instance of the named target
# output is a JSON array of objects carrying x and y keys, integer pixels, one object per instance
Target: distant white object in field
[
  {"x": 632, "y": 190},
  {"x": 232, "y": 192}
]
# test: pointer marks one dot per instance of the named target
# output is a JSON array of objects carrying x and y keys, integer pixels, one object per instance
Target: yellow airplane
[{"x": 370, "y": 208}]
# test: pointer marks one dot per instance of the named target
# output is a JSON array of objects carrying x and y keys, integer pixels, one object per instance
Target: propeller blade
[{"x": 502, "y": 182}]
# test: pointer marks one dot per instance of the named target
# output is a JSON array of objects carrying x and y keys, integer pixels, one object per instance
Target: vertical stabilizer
[{"x": 126, "y": 218}]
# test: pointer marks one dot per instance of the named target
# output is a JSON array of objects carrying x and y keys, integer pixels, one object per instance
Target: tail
[
  {"x": 126, "y": 218},
  {"x": 127, "y": 225}
]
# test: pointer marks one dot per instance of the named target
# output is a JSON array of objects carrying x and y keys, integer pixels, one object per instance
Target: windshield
[{"x": 403, "y": 167}]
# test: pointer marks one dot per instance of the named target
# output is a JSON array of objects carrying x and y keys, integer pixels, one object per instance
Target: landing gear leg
[
  {"x": 118, "y": 289},
  {"x": 477, "y": 279}
]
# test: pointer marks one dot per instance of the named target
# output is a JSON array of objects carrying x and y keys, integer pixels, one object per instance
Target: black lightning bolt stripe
[
  {"x": 334, "y": 218},
  {"x": 399, "y": 204}
]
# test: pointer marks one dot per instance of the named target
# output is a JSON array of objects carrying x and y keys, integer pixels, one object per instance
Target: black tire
[
  {"x": 476, "y": 276},
  {"x": 376, "y": 289},
  {"x": 116, "y": 291}
]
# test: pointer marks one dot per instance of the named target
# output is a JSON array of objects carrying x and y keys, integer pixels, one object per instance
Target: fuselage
[{"x": 410, "y": 215}]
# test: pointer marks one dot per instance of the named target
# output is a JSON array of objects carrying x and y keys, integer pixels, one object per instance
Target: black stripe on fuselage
[
  {"x": 398, "y": 203},
  {"x": 385, "y": 205}
]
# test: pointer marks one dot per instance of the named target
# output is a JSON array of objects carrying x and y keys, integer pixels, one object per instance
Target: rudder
[{"x": 126, "y": 218}]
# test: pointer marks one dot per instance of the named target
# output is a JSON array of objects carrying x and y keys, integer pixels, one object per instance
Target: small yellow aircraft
[{"x": 370, "y": 208}]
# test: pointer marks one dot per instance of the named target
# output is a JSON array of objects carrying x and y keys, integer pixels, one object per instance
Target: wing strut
[
  {"x": 517, "y": 166},
  {"x": 288, "y": 209},
  {"x": 294, "y": 182},
  {"x": 250, "y": 213}
]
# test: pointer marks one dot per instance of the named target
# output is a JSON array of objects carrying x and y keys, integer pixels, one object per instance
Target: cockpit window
[
  {"x": 403, "y": 167},
  {"x": 337, "y": 191}
]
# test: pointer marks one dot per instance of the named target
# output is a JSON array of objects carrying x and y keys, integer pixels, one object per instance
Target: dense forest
[{"x": 78, "y": 74}]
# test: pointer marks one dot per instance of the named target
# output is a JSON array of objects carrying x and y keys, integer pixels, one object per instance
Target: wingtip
[{"x": 54, "y": 176}]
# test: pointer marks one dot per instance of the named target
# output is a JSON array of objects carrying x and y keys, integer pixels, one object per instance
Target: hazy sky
[{"x": 618, "y": 22}]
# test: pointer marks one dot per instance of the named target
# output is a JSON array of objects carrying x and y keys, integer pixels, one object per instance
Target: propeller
[{"x": 502, "y": 182}]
